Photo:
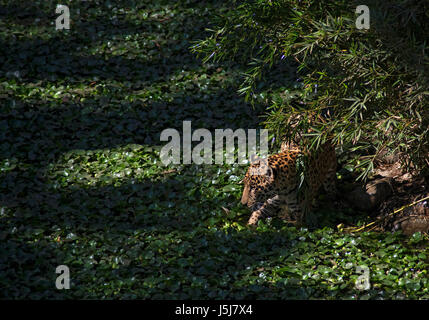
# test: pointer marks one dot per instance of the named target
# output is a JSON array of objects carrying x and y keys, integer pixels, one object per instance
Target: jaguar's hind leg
[{"x": 292, "y": 209}]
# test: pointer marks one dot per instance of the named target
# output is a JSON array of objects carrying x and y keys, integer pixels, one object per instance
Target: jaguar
[{"x": 275, "y": 186}]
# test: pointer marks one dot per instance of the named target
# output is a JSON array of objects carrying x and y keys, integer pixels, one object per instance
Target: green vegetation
[
  {"x": 374, "y": 81},
  {"x": 81, "y": 183}
]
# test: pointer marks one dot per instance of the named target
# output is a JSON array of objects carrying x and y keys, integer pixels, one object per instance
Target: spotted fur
[{"x": 271, "y": 186}]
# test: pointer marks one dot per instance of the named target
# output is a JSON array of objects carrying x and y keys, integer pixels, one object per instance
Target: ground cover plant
[{"x": 82, "y": 185}]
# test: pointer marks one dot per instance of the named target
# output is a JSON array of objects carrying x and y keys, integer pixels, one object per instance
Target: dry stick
[{"x": 390, "y": 214}]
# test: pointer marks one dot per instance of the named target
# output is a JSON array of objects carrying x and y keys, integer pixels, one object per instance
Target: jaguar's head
[{"x": 257, "y": 184}]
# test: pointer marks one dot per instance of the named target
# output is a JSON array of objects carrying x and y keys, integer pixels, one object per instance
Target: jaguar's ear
[{"x": 255, "y": 160}]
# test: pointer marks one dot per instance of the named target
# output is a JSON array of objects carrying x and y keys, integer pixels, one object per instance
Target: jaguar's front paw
[{"x": 254, "y": 218}]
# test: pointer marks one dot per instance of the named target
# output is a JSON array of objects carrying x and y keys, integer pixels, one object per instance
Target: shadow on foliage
[
  {"x": 70, "y": 55},
  {"x": 38, "y": 132},
  {"x": 159, "y": 254},
  {"x": 50, "y": 227}
]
